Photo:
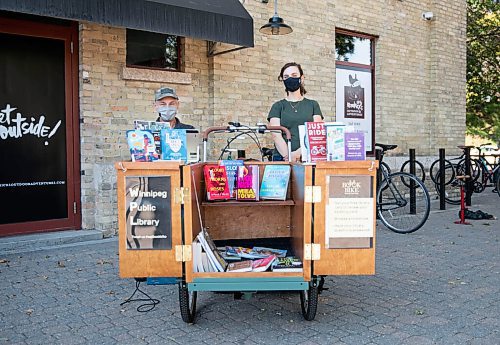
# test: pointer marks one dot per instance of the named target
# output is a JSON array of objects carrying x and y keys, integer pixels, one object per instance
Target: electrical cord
[
  {"x": 145, "y": 307},
  {"x": 252, "y": 134}
]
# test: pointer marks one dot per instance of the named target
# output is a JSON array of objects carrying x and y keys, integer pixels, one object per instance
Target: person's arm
[
  {"x": 318, "y": 115},
  {"x": 279, "y": 142}
]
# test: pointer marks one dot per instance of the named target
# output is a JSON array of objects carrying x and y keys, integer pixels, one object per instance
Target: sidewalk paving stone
[{"x": 439, "y": 285}]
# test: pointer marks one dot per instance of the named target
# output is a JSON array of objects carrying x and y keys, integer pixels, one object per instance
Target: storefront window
[
  {"x": 354, "y": 83},
  {"x": 353, "y": 49},
  {"x": 153, "y": 50}
]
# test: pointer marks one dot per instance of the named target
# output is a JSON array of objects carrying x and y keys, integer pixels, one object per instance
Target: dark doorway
[{"x": 39, "y": 141}]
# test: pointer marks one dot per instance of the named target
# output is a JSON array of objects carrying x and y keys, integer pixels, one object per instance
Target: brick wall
[{"x": 419, "y": 90}]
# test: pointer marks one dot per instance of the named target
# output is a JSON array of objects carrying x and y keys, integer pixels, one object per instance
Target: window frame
[
  {"x": 180, "y": 43},
  {"x": 366, "y": 67}
]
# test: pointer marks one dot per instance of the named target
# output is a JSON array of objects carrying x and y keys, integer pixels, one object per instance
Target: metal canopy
[{"x": 224, "y": 21}]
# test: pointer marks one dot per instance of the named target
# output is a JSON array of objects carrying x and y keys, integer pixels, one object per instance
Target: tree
[{"x": 483, "y": 68}]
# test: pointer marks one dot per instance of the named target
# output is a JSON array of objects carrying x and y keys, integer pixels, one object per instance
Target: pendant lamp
[{"x": 276, "y": 25}]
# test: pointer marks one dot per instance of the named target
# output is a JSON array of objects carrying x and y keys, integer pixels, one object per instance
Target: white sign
[{"x": 354, "y": 101}]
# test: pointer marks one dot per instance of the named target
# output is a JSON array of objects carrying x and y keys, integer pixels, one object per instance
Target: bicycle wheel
[
  {"x": 419, "y": 170},
  {"x": 475, "y": 169},
  {"x": 386, "y": 168},
  {"x": 451, "y": 189},
  {"x": 497, "y": 185},
  {"x": 401, "y": 208},
  {"x": 435, "y": 169}
]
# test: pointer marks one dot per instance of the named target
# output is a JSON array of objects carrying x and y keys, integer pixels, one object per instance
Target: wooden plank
[
  {"x": 301, "y": 176},
  {"x": 147, "y": 263},
  {"x": 261, "y": 203},
  {"x": 346, "y": 261}
]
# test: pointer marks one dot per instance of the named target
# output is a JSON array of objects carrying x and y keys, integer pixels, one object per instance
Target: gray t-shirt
[{"x": 293, "y": 114}]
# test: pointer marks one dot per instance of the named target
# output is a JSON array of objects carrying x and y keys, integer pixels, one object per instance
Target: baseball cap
[{"x": 165, "y": 92}]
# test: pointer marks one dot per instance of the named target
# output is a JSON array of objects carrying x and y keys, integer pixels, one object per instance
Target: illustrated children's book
[
  {"x": 153, "y": 127},
  {"x": 280, "y": 253},
  {"x": 247, "y": 183},
  {"x": 231, "y": 171},
  {"x": 142, "y": 146},
  {"x": 261, "y": 265},
  {"x": 243, "y": 252},
  {"x": 335, "y": 141},
  {"x": 355, "y": 146},
  {"x": 316, "y": 140},
  {"x": 275, "y": 182},
  {"x": 173, "y": 144},
  {"x": 287, "y": 264},
  {"x": 216, "y": 182}
]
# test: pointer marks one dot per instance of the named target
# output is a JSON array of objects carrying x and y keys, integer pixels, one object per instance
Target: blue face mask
[
  {"x": 292, "y": 84},
  {"x": 167, "y": 112}
]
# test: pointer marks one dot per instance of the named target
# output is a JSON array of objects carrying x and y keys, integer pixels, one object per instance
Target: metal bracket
[
  {"x": 312, "y": 251},
  {"x": 183, "y": 253},
  {"x": 312, "y": 194},
  {"x": 212, "y": 47},
  {"x": 181, "y": 195}
]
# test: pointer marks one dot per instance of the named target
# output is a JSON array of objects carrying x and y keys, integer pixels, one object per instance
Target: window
[
  {"x": 354, "y": 83},
  {"x": 153, "y": 50}
]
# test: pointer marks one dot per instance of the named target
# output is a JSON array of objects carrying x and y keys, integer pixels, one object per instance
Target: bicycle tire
[
  {"x": 497, "y": 186},
  {"x": 394, "y": 207},
  {"x": 451, "y": 189},
  {"x": 418, "y": 173},
  {"x": 384, "y": 166},
  {"x": 475, "y": 169},
  {"x": 309, "y": 302},
  {"x": 434, "y": 170},
  {"x": 187, "y": 303}
]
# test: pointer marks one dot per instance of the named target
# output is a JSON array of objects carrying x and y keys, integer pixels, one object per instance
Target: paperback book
[
  {"x": 355, "y": 146},
  {"x": 246, "y": 253},
  {"x": 316, "y": 141},
  {"x": 287, "y": 264},
  {"x": 275, "y": 182},
  {"x": 231, "y": 171},
  {"x": 141, "y": 145},
  {"x": 213, "y": 254},
  {"x": 173, "y": 144},
  {"x": 247, "y": 183},
  {"x": 335, "y": 141},
  {"x": 280, "y": 253},
  {"x": 153, "y": 127},
  {"x": 240, "y": 266},
  {"x": 262, "y": 265},
  {"x": 216, "y": 182}
]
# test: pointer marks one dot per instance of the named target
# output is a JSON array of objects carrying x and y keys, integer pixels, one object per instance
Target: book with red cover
[
  {"x": 247, "y": 183},
  {"x": 216, "y": 182},
  {"x": 316, "y": 140},
  {"x": 261, "y": 265}
]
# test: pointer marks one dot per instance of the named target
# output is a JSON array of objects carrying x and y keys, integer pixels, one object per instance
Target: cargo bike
[{"x": 327, "y": 220}]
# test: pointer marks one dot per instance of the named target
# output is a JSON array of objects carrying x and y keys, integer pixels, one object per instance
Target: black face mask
[{"x": 292, "y": 84}]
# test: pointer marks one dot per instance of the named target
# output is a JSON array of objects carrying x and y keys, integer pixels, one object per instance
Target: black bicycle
[{"x": 403, "y": 202}]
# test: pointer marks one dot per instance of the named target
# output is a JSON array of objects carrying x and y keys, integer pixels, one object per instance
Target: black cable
[
  {"x": 256, "y": 140},
  {"x": 230, "y": 141},
  {"x": 145, "y": 307}
]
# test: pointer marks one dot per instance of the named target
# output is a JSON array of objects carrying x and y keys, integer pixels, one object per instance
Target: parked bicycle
[{"x": 403, "y": 202}]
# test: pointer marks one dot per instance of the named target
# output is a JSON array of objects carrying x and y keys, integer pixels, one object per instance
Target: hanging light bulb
[{"x": 276, "y": 25}]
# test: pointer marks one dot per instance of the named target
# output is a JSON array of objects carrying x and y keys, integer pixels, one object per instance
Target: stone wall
[{"x": 419, "y": 90}]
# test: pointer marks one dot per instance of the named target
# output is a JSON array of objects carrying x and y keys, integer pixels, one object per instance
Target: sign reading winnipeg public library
[
  {"x": 148, "y": 212},
  {"x": 349, "y": 212}
]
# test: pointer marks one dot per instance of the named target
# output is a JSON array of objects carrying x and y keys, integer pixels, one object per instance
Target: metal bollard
[
  {"x": 413, "y": 199},
  {"x": 442, "y": 201}
]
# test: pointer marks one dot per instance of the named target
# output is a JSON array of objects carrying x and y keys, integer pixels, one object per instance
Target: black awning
[{"x": 224, "y": 21}]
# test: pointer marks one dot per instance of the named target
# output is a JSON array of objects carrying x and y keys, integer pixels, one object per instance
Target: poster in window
[
  {"x": 148, "y": 212},
  {"x": 354, "y": 100},
  {"x": 349, "y": 211}
]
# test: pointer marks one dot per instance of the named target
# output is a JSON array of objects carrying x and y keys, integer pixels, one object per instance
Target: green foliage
[{"x": 483, "y": 68}]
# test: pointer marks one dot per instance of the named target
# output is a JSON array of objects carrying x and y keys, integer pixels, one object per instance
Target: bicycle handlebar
[{"x": 258, "y": 129}]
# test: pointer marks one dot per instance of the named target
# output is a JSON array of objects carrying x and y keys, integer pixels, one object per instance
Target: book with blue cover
[
  {"x": 231, "y": 171},
  {"x": 275, "y": 182},
  {"x": 173, "y": 144},
  {"x": 142, "y": 146}
]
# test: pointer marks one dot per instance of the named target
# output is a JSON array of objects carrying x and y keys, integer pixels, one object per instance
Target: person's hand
[{"x": 296, "y": 156}]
